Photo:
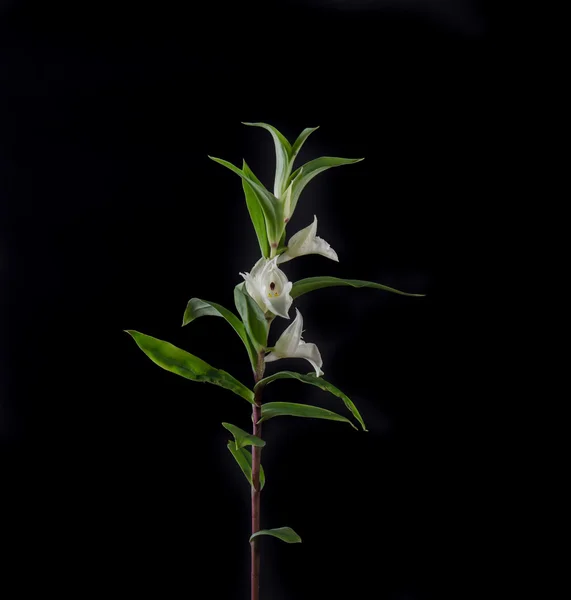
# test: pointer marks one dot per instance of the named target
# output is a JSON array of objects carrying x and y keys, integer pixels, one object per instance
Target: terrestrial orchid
[
  {"x": 290, "y": 345},
  {"x": 306, "y": 241},
  {"x": 264, "y": 293},
  {"x": 269, "y": 287}
]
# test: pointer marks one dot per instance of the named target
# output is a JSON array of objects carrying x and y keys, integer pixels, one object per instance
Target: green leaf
[
  {"x": 252, "y": 316},
  {"x": 271, "y": 206},
  {"x": 308, "y": 171},
  {"x": 244, "y": 460},
  {"x": 243, "y": 438},
  {"x": 315, "y": 283},
  {"x": 201, "y": 308},
  {"x": 283, "y": 151},
  {"x": 285, "y": 534},
  {"x": 187, "y": 365},
  {"x": 299, "y": 142},
  {"x": 319, "y": 382},
  {"x": 289, "y": 409},
  {"x": 255, "y": 210}
]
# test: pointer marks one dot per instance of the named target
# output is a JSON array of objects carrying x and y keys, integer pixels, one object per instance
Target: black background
[{"x": 113, "y": 217}]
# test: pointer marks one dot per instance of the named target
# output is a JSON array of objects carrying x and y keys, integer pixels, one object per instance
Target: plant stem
[{"x": 256, "y": 455}]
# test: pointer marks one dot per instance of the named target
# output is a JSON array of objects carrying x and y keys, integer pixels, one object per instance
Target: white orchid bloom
[
  {"x": 269, "y": 287},
  {"x": 290, "y": 345},
  {"x": 306, "y": 242}
]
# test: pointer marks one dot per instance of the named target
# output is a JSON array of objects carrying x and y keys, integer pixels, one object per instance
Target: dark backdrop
[{"x": 117, "y": 473}]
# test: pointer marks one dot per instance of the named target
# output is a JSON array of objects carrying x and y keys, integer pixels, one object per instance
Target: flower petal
[
  {"x": 289, "y": 340},
  {"x": 253, "y": 288},
  {"x": 320, "y": 246},
  {"x": 258, "y": 267},
  {"x": 311, "y": 353},
  {"x": 305, "y": 242},
  {"x": 301, "y": 241},
  {"x": 271, "y": 357}
]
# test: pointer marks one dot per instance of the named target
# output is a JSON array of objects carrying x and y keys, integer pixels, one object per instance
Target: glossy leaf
[
  {"x": 255, "y": 210},
  {"x": 285, "y": 534},
  {"x": 270, "y": 205},
  {"x": 252, "y": 316},
  {"x": 283, "y": 151},
  {"x": 300, "y": 141},
  {"x": 310, "y": 170},
  {"x": 319, "y": 382},
  {"x": 197, "y": 308},
  {"x": 243, "y": 438},
  {"x": 187, "y": 365},
  {"x": 289, "y": 409},
  {"x": 244, "y": 459},
  {"x": 315, "y": 283}
]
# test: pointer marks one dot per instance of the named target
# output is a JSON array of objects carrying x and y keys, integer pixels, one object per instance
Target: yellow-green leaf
[
  {"x": 187, "y": 365},
  {"x": 243, "y": 438},
  {"x": 290, "y": 409},
  {"x": 244, "y": 460},
  {"x": 201, "y": 308},
  {"x": 315, "y": 283},
  {"x": 319, "y": 382},
  {"x": 285, "y": 534}
]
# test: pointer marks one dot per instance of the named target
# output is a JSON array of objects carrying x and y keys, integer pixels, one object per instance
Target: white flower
[
  {"x": 290, "y": 345},
  {"x": 306, "y": 242},
  {"x": 269, "y": 287}
]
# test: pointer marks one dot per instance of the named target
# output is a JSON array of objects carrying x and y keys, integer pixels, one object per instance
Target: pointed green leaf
[
  {"x": 252, "y": 316},
  {"x": 315, "y": 283},
  {"x": 319, "y": 382},
  {"x": 289, "y": 409},
  {"x": 271, "y": 206},
  {"x": 187, "y": 365},
  {"x": 300, "y": 141},
  {"x": 255, "y": 210},
  {"x": 243, "y": 438},
  {"x": 201, "y": 308},
  {"x": 283, "y": 151},
  {"x": 313, "y": 168},
  {"x": 285, "y": 534},
  {"x": 244, "y": 460}
]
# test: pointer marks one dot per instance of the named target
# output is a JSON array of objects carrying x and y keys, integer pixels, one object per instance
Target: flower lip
[{"x": 269, "y": 287}]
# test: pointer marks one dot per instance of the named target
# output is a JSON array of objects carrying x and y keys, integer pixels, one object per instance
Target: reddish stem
[{"x": 256, "y": 456}]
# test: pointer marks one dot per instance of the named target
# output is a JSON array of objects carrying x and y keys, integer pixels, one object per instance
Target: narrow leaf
[
  {"x": 285, "y": 534},
  {"x": 312, "y": 169},
  {"x": 201, "y": 308},
  {"x": 243, "y": 438},
  {"x": 289, "y": 409},
  {"x": 252, "y": 316},
  {"x": 318, "y": 382},
  {"x": 255, "y": 210},
  {"x": 283, "y": 151},
  {"x": 270, "y": 204},
  {"x": 300, "y": 141},
  {"x": 244, "y": 460},
  {"x": 315, "y": 283},
  {"x": 187, "y": 365}
]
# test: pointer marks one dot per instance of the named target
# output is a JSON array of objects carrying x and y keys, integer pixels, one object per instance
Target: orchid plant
[{"x": 266, "y": 293}]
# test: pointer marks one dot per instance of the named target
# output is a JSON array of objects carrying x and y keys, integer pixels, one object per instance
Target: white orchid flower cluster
[{"x": 268, "y": 285}]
